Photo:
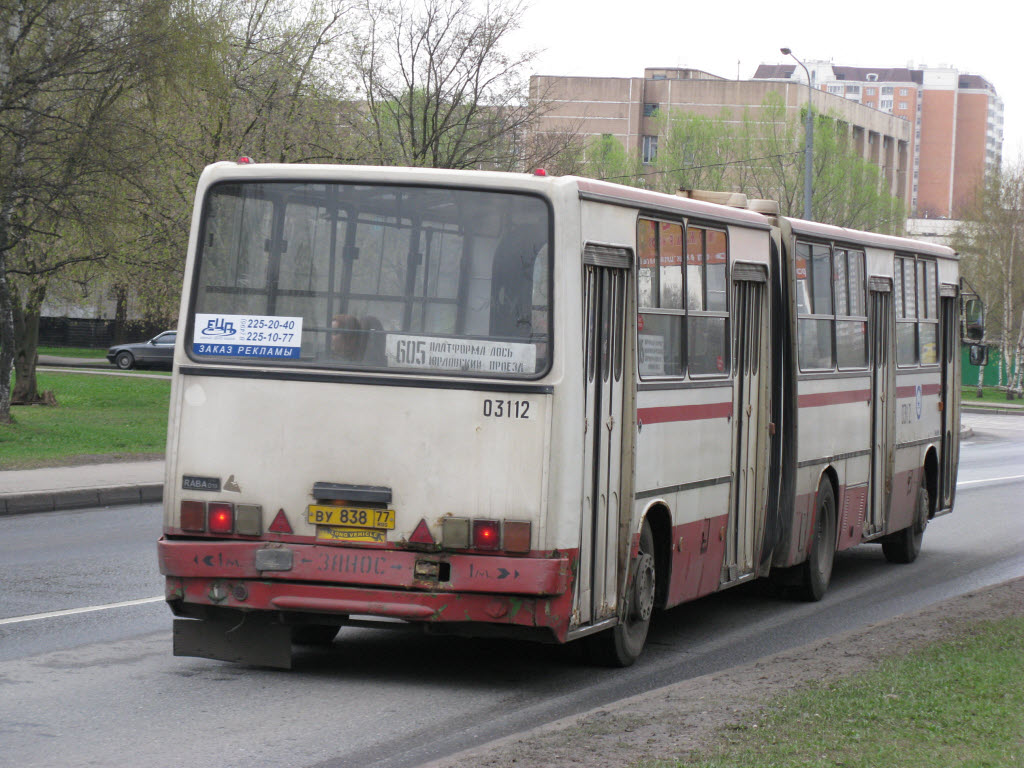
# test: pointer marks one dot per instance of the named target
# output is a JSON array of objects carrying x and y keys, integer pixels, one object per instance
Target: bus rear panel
[{"x": 357, "y": 427}]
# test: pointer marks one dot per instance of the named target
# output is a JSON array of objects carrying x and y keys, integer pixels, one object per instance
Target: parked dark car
[{"x": 158, "y": 352}]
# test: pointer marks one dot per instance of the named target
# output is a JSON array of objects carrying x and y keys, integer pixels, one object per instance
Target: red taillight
[
  {"x": 193, "y": 516},
  {"x": 486, "y": 534},
  {"x": 220, "y": 517}
]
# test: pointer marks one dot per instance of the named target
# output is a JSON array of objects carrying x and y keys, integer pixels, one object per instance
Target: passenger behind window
[
  {"x": 348, "y": 341},
  {"x": 358, "y": 340}
]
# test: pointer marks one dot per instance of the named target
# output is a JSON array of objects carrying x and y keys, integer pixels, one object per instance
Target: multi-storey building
[
  {"x": 628, "y": 109},
  {"x": 957, "y": 122}
]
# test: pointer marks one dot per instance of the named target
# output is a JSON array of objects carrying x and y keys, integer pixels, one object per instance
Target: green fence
[{"x": 969, "y": 373}]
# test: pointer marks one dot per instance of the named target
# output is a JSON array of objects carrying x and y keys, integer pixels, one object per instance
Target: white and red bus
[{"x": 534, "y": 406}]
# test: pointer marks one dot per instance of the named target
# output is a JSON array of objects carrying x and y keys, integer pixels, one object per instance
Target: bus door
[
  {"x": 746, "y": 518},
  {"x": 949, "y": 332},
  {"x": 605, "y": 275},
  {"x": 883, "y": 404}
]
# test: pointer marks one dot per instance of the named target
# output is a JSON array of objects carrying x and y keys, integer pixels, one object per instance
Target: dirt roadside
[{"x": 671, "y": 722}]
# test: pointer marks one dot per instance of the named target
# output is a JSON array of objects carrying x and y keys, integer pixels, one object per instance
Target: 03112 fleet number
[{"x": 507, "y": 409}]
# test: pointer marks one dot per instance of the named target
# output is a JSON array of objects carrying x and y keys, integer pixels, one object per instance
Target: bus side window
[
  {"x": 707, "y": 263},
  {"x": 814, "y": 306},
  {"x": 660, "y": 286}
]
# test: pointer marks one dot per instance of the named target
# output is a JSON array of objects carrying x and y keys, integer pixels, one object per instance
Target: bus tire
[
  {"x": 314, "y": 634},
  {"x": 904, "y": 546},
  {"x": 622, "y": 645},
  {"x": 816, "y": 571}
]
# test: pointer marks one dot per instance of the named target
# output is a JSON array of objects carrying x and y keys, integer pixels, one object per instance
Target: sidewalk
[
  {"x": 75, "y": 362},
  {"x": 90, "y": 485},
  {"x": 1010, "y": 407}
]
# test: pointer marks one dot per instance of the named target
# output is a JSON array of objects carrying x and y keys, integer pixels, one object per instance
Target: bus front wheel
[
  {"x": 621, "y": 645},
  {"x": 816, "y": 572},
  {"x": 904, "y": 546}
]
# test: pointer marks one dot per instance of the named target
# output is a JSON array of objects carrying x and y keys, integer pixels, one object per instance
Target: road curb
[
  {"x": 80, "y": 498},
  {"x": 993, "y": 409}
]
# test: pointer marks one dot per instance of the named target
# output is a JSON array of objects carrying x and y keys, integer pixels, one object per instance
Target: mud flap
[{"x": 255, "y": 641}]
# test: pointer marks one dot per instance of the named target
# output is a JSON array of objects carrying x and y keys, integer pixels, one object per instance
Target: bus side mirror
[
  {"x": 974, "y": 319},
  {"x": 978, "y": 354}
]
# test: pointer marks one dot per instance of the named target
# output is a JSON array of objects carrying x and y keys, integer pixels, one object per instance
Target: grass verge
[
  {"x": 956, "y": 703},
  {"x": 989, "y": 395},
  {"x": 92, "y": 354},
  {"x": 96, "y": 416}
]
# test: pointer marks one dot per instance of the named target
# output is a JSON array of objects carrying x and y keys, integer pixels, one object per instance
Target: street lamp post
[{"x": 809, "y": 139}]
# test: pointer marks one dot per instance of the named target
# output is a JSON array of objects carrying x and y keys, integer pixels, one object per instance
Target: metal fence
[{"x": 92, "y": 334}]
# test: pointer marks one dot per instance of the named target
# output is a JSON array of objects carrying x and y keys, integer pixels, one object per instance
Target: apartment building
[
  {"x": 957, "y": 122},
  {"x": 628, "y": 107}
]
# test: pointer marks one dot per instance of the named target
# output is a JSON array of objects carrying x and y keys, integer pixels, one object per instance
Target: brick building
[
  {"x": 627, "y": 109},
  {"x": 957, "y": 122}
]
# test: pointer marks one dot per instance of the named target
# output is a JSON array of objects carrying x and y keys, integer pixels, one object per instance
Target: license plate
[
  {"x": 337, "y": 533},
  {"x": 351, "y": 517}
]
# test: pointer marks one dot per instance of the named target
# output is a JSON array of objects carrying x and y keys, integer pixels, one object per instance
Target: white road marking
[
  {"x": 989, "y": 480},
  {"x": 72, "y": 611}
]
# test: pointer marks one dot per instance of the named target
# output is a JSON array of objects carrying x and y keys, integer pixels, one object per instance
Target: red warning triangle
[
  {"x": 422, "y": 534},
  {"x": 280, "y": 524}
]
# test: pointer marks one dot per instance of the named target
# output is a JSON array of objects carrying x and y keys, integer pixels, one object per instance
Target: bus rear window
[{"x": 370, "y": 277}]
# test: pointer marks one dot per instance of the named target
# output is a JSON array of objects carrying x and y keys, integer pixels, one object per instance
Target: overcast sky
[{"x": 731, "y": 38}]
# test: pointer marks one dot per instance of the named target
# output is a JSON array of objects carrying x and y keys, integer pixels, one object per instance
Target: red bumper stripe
[
  {"x": 670, "y": 413},
  {"x": 911, "y": 390}
]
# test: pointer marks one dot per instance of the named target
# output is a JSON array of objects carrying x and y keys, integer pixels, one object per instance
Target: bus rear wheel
[
  {"x": 622, "y": 645},
  {"x": 904, "y": 546},
  {"x": 816, "y": 572}
]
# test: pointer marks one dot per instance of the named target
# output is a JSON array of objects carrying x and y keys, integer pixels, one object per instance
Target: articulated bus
[{"x": 538, "y": 407}]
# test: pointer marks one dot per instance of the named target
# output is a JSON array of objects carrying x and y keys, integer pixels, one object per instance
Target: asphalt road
[{"x": 98, "y": 685}]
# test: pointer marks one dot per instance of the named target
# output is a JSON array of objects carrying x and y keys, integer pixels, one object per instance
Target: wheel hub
[{"x": 643, "y": 588}]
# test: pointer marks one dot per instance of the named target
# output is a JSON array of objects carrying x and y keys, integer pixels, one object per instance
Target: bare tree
[
  {"x": 991, "y": 242},
  {"x": 261, "y": 79},
  {"x": 437, "y": 87},
  {"x": 109, "y": 110},
  {"x": 63, "y": 65}
]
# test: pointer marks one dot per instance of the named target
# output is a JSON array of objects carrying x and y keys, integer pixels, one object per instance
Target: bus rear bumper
[
  {"x": 250, "y": 621},
  {"x": 338, "y": 601},
  {"x": 211, "y": 581}
]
